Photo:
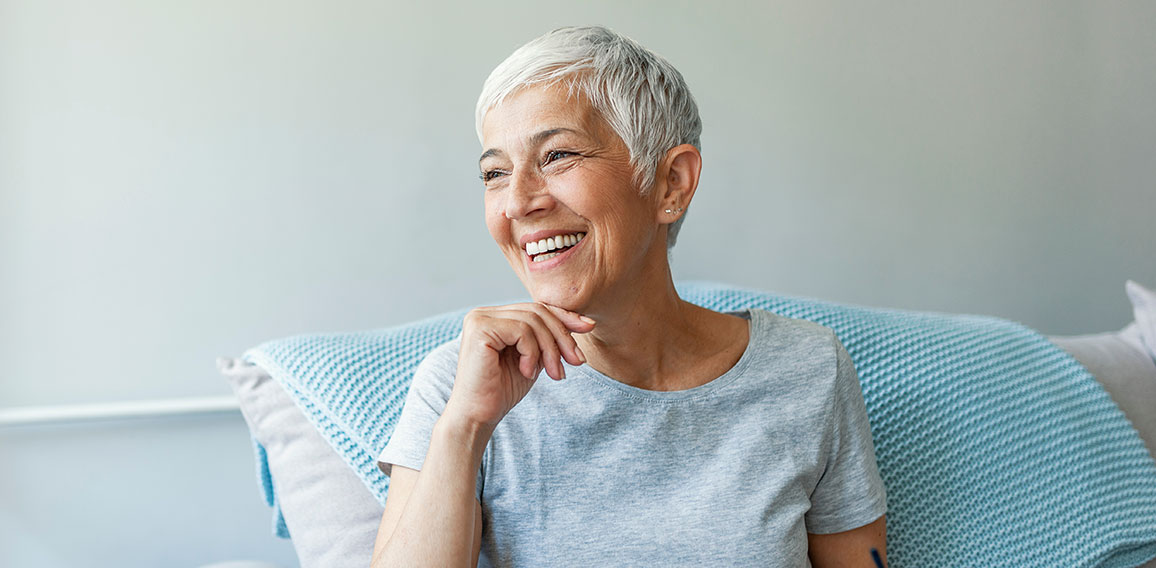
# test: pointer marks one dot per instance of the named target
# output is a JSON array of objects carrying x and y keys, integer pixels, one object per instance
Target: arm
[
  {"x": 433, "y": 517},
  {"x": 850, "y": 488},
  {"x": 850, "y": 548}
]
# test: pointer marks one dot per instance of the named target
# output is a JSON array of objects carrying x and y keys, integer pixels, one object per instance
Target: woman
[{"x": 670, "y": 434}]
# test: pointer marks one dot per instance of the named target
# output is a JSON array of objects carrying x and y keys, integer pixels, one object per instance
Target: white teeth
[
  {"x": 552, "y": 243},
  {"x": 546, "y": 256}
]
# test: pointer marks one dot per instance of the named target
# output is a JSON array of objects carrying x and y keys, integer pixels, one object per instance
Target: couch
[{"x": 316, "y": 470}]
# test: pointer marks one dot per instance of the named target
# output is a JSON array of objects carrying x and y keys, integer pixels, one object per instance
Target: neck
[{"x": 650, "y": 338}]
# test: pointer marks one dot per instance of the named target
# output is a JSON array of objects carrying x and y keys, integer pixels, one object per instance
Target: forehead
[{"x": 531, "y": 110}]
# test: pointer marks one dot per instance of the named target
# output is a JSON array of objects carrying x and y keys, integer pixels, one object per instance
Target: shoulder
[
  {"x": 801, "y": 352},
  {"x": 436, "y": 370},
  {"x": 771, "y": 332},
  {"x": 446, "y": 353},
  {"x": 820, "y": 369},
  {"x": 785, "y": 323}
]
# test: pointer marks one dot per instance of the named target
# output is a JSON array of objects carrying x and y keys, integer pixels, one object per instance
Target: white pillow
[{"x": 332, "y": 517}]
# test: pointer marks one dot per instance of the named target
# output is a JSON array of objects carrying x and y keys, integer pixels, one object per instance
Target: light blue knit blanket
[{"x": 996, "y": 447}]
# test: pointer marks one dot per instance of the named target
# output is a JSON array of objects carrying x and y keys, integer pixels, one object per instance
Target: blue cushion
[{"x": 996, "y": 447}]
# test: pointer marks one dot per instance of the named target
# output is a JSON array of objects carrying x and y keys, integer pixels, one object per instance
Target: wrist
[{"x": 463, "y": 432}]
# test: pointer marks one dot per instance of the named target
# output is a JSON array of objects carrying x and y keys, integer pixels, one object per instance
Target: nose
[{"x": 527, "y": 194}]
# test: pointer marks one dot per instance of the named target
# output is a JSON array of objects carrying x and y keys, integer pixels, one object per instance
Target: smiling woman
[{"x": 682, "y": 435}]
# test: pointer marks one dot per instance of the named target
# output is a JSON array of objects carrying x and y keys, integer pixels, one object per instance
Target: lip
[
  {"x": 539, "y": 235},
  {"x": 548, "y": 264}
]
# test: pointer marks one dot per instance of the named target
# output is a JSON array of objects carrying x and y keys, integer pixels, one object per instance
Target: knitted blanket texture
[{"x": 996, "y": 448}]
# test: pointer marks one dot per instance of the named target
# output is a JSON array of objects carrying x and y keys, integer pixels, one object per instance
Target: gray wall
[{"x": 181, "y": 180}]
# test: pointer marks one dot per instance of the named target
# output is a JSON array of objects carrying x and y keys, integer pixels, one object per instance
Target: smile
[{"x": 551, "y": 247}]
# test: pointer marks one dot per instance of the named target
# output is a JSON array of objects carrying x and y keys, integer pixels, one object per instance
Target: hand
[{"x": 504, "y": 349}]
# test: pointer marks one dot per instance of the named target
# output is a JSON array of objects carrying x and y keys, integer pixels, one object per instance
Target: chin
[{"x": 561, "y": 296}]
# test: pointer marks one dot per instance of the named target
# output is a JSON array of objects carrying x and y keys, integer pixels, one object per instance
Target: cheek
[
  {"x": 496, "y": 222},
  {"x": 596, "y": 195},
  {"x": 626, "y": 217},
  {"x": 617, "y": 206}
]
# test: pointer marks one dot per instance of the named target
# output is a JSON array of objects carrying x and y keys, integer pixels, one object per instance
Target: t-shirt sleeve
[
  {"x": 429, "y": 391},
  {"x": 850, "y": 492}
]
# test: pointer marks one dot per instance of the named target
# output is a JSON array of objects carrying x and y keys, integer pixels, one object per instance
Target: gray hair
[{"x": 641, "y": 96}]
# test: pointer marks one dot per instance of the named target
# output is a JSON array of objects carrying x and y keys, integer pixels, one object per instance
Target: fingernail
[
  {"x": 581, "y": 355},
  {"x": 587, "y": 320}
]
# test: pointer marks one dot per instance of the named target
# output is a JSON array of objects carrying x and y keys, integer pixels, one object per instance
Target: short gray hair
[{"x": 641, "y": 96}]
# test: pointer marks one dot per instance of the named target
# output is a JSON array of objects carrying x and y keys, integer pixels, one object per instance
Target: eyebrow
[{"x": 534, "y": 141}]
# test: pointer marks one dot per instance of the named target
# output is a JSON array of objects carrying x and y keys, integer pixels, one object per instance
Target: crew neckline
[{"x": 757, "y": 323}]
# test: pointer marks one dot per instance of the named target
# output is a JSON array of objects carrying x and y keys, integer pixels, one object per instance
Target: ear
[{"x": 676, "y": 180}]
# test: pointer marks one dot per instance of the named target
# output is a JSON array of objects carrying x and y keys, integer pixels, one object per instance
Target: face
[{"x": 555, "y": 171}]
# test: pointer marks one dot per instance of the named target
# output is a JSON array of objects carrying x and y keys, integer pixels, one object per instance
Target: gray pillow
[
  {"x": 1125, "y": 362},
  {"x": 1144, "y": 309},
  {"x": 332, "y": 517}
]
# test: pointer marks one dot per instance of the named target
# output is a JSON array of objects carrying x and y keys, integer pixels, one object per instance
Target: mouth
[{"x": 552, "y": 247}]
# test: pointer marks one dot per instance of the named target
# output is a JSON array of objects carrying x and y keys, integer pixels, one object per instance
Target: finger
[
  {"x": 521, "y": 337},
  {"x": 530, "y": 348},
  {"x": 568, "y": 323},
  {"x": 553, "y": 337},
  {"x": 511, "y": 359},
  {"x": 551, "y": 357},
  {"x": 573, "y": 321},
  {"x": 551, "y": 353}
]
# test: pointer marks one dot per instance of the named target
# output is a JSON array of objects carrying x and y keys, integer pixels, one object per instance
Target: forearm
[
  {"x": 436, "y": 527},
  {"x": 849, "y": 548}
]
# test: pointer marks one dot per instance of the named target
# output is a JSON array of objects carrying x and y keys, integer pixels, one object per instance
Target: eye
[
  {"x": 554, "y": 155},
  {"x": 490, "y": 175}
]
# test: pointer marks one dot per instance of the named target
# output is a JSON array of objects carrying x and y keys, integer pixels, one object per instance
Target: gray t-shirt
[{"x": 592, "y": 472}]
